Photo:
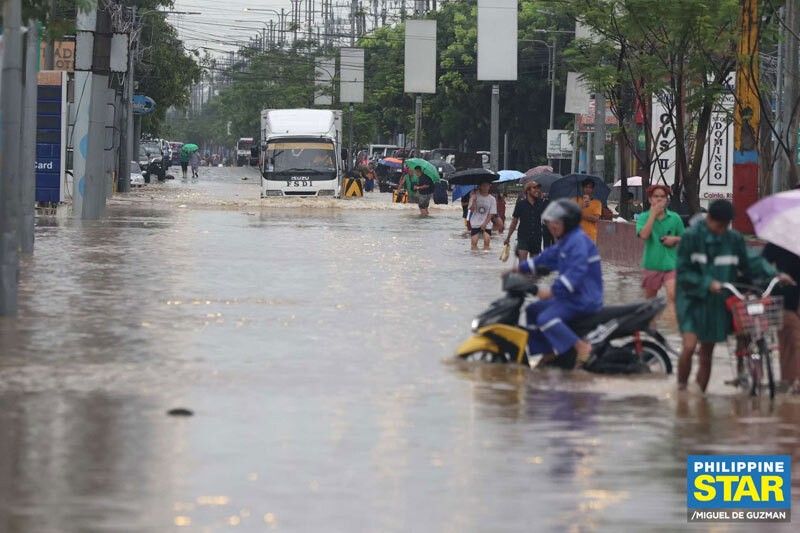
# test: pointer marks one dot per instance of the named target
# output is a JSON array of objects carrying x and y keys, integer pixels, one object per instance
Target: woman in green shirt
[{"x": 661, "y": 231}]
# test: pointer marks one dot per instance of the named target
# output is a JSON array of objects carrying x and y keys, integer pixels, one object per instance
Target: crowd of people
[{"x": 690, "y": 264}]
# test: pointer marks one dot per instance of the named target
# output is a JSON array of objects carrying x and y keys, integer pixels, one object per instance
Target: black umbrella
[
  {"x": 545, "y": 179},
  {"x": 472, "y": 176},
  {"x": 570, "y": 187}
]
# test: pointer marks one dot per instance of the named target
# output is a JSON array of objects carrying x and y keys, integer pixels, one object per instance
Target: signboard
[
  {"x": 51, "y": 128},
  {"x": 143, "y": 105},
  {"x": 420, "y": 57},
  {"x": 497, "y": 40},
  {"x": 577, "y": 100},
  {"x": 324, "y": 73},
  {"x": 351, "y": 75},
  {"x": 63, "y": 55},
  {"x": 559, "y": 144},
  {"x": 663, "y": 169},
  {"x": 716, "y": 172}
]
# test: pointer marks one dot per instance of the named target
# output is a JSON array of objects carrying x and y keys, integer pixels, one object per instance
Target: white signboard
[
  {"x": 420, "y": 57},
  {"x": 578, "y": 95},
  {"x": 324, "y": 73},
  {"x": 716, "y": 173},
  {"x": 663, "y": 168},
  {"x": 497, "y": 40},
  {"x": 351, "y": 75},
  {"x": 559, "y": 144}
]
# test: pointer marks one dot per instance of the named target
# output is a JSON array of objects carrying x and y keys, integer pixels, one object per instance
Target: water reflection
[{"x": 309, "y": 343}]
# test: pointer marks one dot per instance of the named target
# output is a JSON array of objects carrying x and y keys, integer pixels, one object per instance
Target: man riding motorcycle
[{"x": 577, "y": 291}]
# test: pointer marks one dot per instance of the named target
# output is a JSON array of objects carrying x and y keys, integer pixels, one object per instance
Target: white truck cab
[{"x": 301, "y": 152}]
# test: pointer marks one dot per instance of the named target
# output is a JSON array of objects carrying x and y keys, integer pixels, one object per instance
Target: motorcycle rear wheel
[{"x": 654, "y": 356}]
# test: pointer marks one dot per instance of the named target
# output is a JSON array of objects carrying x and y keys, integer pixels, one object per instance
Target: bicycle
[{"x": 756, "y": 320}]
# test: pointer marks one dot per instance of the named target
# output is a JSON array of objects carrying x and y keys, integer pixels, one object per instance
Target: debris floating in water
[{"x": 180, "y": 411}]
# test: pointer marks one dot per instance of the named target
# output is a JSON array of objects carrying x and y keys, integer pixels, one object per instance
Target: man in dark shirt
[
  {"x": 789, "y": 339},
  {"x": 424, "y": 189},
  {"x": 528, "y": 216}
]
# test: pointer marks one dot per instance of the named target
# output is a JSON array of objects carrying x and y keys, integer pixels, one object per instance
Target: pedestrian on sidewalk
[
  {"x": 789, "y": 335},
  {"x": 528, "y": 217},
  {"x": 483, "y": 207},
  {"x": 591, "y": 209},
  {"x": 709, "y": 255},
  {"x": 661, "y": 231}
]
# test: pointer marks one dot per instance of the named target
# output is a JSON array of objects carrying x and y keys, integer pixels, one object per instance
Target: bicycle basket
[{"x": 758, "y": 316}]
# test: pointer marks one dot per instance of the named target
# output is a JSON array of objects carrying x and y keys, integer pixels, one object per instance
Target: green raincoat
[{"x": 702, "y": 258}]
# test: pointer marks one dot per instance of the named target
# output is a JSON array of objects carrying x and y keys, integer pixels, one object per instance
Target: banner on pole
[
  {"x": 420, "y": 57},
  {"x": 497, "y": 40},
  {"x": 577, "y": 100},
  {"x": 351, "y": 75}
]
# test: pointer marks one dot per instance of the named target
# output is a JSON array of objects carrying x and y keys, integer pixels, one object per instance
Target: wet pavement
[{"x": 311, "y": 339}]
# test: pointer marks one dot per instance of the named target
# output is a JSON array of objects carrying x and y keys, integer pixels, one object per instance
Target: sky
[{"x": 223, "y": 21}]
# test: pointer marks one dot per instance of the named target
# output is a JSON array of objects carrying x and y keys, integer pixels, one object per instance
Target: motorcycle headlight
[{"x": 476, "y": 323}]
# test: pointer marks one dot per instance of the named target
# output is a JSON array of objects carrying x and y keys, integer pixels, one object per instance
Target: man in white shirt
[{"x": 483, "y": 207}]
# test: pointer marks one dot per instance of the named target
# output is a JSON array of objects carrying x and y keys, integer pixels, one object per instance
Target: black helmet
[{"x": 566, "y": 211}]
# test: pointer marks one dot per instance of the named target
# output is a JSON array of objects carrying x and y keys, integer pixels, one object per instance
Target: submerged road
[{"x": 311, "y": 340}]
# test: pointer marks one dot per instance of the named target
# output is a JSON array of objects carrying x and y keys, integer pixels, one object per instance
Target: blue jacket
[{"x": 580, "y": 280}]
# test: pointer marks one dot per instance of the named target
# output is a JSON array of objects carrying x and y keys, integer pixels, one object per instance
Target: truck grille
[{"x": 299, "y": 193}]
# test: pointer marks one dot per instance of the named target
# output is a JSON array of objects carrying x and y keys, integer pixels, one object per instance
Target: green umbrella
[
  {"x": 427, "y": 168},
  {"x": 189, "y": 148}
]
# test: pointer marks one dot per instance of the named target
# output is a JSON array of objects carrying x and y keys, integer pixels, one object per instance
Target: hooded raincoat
[
  {"x": 704, "y": 257},
  {"x": 577, "y": 291}
]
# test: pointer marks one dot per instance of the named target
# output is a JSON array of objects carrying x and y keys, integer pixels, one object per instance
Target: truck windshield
[
  {"x": 244, "y": 144},
  {"x": 313, "y": 158}
]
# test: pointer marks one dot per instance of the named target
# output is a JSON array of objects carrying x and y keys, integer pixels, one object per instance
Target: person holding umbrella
[
  {"x": 483, "y": 208},
  {"x": 591, "y": 209},
  {"x": 424, "y": 190},
  {"x": 186, "y": 155}
]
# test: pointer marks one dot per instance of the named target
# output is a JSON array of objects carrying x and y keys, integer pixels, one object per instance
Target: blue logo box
[{"x": 739, "y": 482}]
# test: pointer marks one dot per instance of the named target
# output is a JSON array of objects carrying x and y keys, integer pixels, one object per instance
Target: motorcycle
[{"x": 622, "y": 337}]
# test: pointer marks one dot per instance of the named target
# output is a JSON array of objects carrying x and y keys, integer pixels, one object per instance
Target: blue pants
[{"x": 547, "y": 324}]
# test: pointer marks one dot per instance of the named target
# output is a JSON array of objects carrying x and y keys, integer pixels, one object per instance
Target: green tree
[{"x": 679, "y": 52}]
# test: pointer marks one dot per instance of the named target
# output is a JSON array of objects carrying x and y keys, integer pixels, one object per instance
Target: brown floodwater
[{"x": 312, "y": 341}]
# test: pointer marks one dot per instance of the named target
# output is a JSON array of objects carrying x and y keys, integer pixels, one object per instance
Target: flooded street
[{"x": 312, "y": 340}]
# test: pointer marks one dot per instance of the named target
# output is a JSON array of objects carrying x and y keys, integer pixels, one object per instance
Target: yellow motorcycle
[{"x": 623, "y": 339}]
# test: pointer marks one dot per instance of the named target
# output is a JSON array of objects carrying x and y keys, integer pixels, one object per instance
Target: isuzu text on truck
[{"x": 300, "y": 152}]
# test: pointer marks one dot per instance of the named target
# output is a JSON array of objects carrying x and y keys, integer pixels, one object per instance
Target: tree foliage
[{"x": 679, "y": 52}]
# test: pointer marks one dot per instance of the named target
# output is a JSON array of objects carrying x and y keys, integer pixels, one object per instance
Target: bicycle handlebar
[{"x": 733, "y": 288}]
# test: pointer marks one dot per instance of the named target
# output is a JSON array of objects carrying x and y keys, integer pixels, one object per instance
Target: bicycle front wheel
[{"x": 766, "y": 359}]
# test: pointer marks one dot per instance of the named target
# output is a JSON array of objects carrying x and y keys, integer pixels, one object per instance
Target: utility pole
[
  {"x": 353, "y": 10},
  {"x": 91, "y": 82},
  {"x": 494, "y": 143},
  {"x": 791, "y": 94},
  {"x": 126, "y": 142},
  {"x": 28, "y": 173},
  {"x": 746, "y": 118},
  {"x": 552, "y": 87},
  {"x": 418, "y": 123},
  {"x": 10, "y": 130},
  {"x": 598, "y": 164},
  {"x": 50, "y": 47}
]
